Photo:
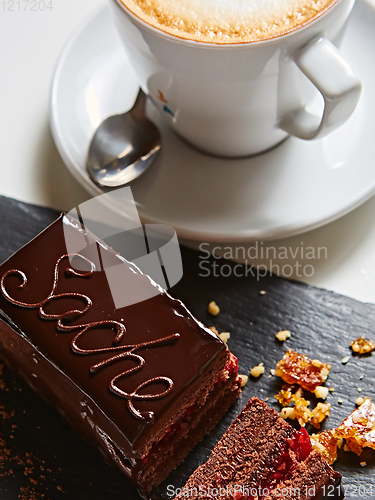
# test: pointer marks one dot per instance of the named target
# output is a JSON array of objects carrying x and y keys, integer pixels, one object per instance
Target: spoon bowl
[{"x": 123, "y": 147}]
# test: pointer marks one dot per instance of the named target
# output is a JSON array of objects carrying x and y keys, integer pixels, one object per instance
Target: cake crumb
[
  {"x": 321, "y": 392},
  {"x": 345, "y": 360},
  {"x": 361, "y": 377},
  {"x": 359, "y": 401},
  {"x": 225, "y": 336},
  {"x": 363, "y": 464},
  {"x": 359, "y": 389},
  {"x": 331, "y": 389},
  {"x": 244, "y": 379},
  {"x": 362, "y": 346},
  {"x": 340, "y": 401},
  {"x": 283, "y": 335},
  {"x": 257, "y": 371},
  {"x": 213, "y": 308},
  {"x": 27, "y": 464}
]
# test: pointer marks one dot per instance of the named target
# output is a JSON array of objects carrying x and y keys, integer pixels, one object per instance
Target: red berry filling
[
  {"x": 294, "y": 450},
  {"x": 182, "y": 426}
]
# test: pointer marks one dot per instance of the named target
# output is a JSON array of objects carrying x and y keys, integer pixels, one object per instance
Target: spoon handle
[{"x": 140, "y": 102}]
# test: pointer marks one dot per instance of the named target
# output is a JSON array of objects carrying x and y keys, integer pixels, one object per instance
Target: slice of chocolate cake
[
  {"x": 144, "y": 382},
  {"x": 263, "y": 457}
]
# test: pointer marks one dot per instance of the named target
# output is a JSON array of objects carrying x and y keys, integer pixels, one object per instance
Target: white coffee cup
[{"x": 244, "y": 98}]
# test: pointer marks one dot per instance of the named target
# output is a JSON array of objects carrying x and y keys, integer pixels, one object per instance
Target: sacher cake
[
  {"x": 145, "y": 382},
  {"x": 262, "y": 457}
]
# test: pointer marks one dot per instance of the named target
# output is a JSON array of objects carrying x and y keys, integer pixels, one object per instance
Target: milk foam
[{"x": 226, "y": 21}]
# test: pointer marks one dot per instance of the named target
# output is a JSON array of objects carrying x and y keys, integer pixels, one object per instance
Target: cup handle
[{"x": 340, "y": 87}]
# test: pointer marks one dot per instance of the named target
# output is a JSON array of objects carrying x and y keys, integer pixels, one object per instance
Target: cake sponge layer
[{"x": 262, "y": 456}]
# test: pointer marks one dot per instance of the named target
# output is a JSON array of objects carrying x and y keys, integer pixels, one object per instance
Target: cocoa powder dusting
[{"x": 27, "y": 464}]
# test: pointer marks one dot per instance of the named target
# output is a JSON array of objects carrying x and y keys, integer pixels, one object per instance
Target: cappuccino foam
[{"x": 226, "y": 21}]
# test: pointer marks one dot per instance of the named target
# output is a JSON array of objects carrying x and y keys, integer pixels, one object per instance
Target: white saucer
[{"x": 296, "y": 187}]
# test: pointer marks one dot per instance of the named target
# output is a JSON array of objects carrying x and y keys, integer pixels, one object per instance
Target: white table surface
[{"x": 32, "y": 171}]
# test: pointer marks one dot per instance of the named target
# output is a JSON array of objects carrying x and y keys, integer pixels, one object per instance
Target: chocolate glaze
[
  {"x": 61, "y": 330},
  {"x": 122, "y": 351}
]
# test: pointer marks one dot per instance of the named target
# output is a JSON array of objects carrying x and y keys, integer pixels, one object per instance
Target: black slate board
[{"x": 41, "y": 457}]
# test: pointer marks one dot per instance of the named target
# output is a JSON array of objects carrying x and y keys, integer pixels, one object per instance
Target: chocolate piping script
[{"x": 122, "y": 351}]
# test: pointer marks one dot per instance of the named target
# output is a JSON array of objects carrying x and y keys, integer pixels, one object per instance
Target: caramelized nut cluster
[
  {"x": 362, "y": 346},
  {"x": 296, "y": 368},
  {"x": 292, "y": 394},
  {"x": 300, "y": 372},
  {"x": 327, "y": 443},
  {"x": 358, "y": 430}
]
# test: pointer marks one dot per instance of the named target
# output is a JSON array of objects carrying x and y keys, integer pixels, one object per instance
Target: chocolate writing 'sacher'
[
  {"x": 122, "y": 352},
  {"x": 149, "y": 354}
]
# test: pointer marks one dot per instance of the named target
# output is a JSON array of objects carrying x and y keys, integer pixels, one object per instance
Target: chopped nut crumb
[
  {"x": 288, "y": 413},
  {"x": 356, "y": 418},
  {"x": 285, "y": 396},
  {"x": 273, "y": 372},
  {"x": 363, "y": 464},
  {"x": 299, "y": 393},
  {"x": 301, "y": 411},
  {"x": 214, "y": 329},
  {"x": 345, "y": 360},
  {"x": 213, "y": 308},
  {"x": 295, "y": 368},
  {"x": 362, "y": 346},
  {"x": 244, "y": 379},
  {"x": 225, "y": 336},
  {"x": 331, "y": 389},
  {"x": 359, "y": 401},
  {"x": 262, "y": 292},
  {"x": 257, "y": 371},
  {"x": 361, "y": 377},
  {"x": 321, "y": 392},
  {"x": 283, "y": 335},
  {"x": 303, "y": 414},
  {"x": 320, "y": 413},
  {"x": 340, "y": 401},
  {"x": 359, "y": 389}
]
